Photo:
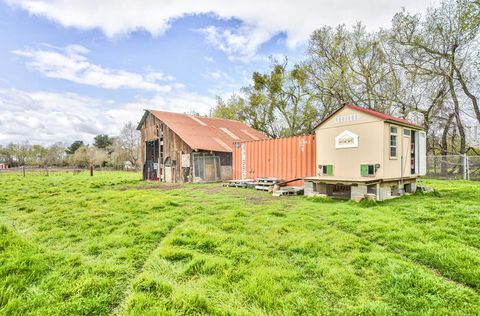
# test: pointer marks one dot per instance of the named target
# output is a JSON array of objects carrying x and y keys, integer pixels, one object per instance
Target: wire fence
[
  {"x": 31, "y": 170},
  {"x": 453, "y": 167}
]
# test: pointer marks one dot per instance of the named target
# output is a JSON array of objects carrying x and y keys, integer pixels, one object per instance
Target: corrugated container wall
[{"x": 284, "y": 158}]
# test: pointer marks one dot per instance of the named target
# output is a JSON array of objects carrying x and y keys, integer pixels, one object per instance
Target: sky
[{"x": 72, "y": 69}]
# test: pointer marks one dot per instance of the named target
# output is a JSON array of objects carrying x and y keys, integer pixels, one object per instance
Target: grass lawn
[{"x": 72, "y": 244}]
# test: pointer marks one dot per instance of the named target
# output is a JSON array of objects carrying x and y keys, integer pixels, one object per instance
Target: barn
[
  {"x": 360, "y": 151},
  {"x": 188, "y": 148}
]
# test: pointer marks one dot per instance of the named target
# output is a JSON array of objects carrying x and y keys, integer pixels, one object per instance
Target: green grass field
[{"x": 72, "y": 244}]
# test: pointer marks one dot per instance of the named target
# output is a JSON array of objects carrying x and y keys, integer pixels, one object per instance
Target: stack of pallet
[
  {"x": 290, "y": 190},
  {"x": 266, "y": 184},
  {"x": 276, "y": 186},
  {"x": 244, "y": 183}
]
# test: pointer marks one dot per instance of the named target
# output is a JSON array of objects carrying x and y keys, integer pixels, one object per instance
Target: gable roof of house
[
  {"x": 206, "y": 133},
  {"x": 383, "y": 116}
]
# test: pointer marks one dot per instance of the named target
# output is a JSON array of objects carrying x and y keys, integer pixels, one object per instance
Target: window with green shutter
[
  {"x": 364, "y": 170},
  {"x": 327, "y": 170},
  {"x": 367, "y": 170}
]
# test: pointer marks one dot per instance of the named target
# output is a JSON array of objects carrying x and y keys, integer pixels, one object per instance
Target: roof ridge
[
  {"x": 203, "y": 133},
  {"x": 200, "y": 116},
  {"x": 381, "y": 115}
]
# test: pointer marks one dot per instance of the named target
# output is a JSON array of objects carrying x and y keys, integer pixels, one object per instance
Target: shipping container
[{"x": 284, "y": 158}]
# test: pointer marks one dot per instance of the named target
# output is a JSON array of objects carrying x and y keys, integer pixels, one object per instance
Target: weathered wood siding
[
  {"x": 148, "y": 133},
  {"x": 173, "y": 148}
]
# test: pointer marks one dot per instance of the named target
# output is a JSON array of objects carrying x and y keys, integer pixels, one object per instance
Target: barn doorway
[
  {"x": 206, "y": 168},
  {"x": 168, "y": 170},
  {"x": 150, "y": 168}
]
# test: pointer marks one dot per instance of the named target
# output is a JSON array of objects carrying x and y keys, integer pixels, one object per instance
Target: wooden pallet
[
  {"x": 261, "y": 184},
  {"x": 288, "y": 191},
  {"x": 244, "y": 183},
  {"x": 269, "y": 181},
  {"x": 264, "y": 187},
  {"x": 265, "y": 184}
]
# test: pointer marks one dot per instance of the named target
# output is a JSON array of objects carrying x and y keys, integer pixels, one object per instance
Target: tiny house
[
  {"x": 187, "y": 148},
  {"x": 361, "y": 151}
]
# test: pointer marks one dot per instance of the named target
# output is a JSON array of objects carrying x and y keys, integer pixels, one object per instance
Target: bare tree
[{"x": 127, "y": 145}]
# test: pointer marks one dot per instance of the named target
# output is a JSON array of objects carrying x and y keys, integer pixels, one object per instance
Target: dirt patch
[
  {"x": 261, "y": 199},
  {"x": 249, "y": 195},
  {"x": 253, "y": 196},
  {"x": 159, "y": 186},
  {"x": 210, "y": 189}
]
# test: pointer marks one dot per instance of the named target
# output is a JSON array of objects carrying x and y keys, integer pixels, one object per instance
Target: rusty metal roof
[
  {"x": 383, "y": 116},
  {"x": 206, "y": 133}
]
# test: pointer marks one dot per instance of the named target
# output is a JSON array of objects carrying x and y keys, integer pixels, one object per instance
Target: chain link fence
[
  {"x": 474, "y": 168},
  {"x": 453, "y": 167}
]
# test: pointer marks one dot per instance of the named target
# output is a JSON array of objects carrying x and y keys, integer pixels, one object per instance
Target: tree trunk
[
  {"x": 465, "y": 89},
  {"x": 444, "y": 148},
  {"x": 461, "y": 129}
]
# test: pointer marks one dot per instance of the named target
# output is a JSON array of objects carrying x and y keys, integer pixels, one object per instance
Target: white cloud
[
  {"x": 209, "y": 59},
  {"x": 238, "y": 43},
  {"x": 260, "y": 19},
  {"x": 71, "y": 63},
  {"x": 179, "y": 101},
  {"x": 45, "y": 117},
  {"x": 218, "y": 75},
  {"x": 49, "y": 117}
]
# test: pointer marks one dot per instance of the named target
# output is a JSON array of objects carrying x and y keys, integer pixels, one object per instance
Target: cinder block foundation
[{"x": 358, "y": 191}]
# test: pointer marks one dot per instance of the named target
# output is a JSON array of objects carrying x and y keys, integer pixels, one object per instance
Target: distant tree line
[
  {"x": 424, "y": 67},
  {"x": 118, "y": 152}
]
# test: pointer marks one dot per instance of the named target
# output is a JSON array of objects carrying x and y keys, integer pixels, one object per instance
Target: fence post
[{"x": 465, "y": 166}]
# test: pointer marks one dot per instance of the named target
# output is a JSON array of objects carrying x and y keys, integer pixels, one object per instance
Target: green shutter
[
  {"x": 364, "y": 170},
  {"x": 330, "y": 170}
]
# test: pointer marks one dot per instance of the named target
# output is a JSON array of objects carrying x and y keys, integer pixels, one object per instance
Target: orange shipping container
[{"x": 284, "y": 158}]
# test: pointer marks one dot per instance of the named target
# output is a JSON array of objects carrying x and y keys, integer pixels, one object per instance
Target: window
[
  {"x": 168, "y": 162},
  {"x": 327, "y": 170},
  {"x": 393, "y": 142},
  {"x": 367, "y": 170},
  {"x": 406, "y": 132}
]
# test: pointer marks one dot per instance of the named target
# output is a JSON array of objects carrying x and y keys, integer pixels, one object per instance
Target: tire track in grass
[
  {"x": 120, "y": 306},
  {"x": 398, "y": 252},
  {"x": 425, "y": 229}
]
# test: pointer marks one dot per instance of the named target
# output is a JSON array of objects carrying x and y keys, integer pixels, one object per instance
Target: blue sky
[{"x": 73, "y": 69}]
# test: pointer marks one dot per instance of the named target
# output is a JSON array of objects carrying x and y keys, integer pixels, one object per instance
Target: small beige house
[{"x": 360, "y": 151}]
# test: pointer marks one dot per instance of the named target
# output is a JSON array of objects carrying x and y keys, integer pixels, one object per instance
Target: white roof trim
[
  {"x": 229, "y": 133},
  {"x": 250, "y": 134},
  {"x": 199, "y": 121},
  {"x": 221, "y": 143}
]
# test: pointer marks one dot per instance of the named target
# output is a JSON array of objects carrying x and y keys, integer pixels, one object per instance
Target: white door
[{"x": 421, "y": 153}]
